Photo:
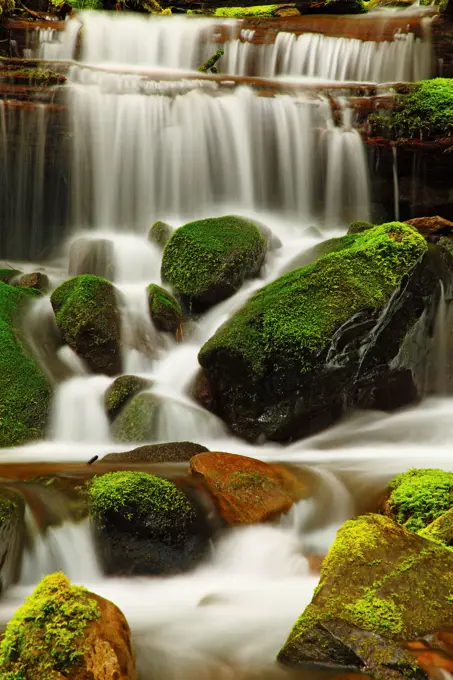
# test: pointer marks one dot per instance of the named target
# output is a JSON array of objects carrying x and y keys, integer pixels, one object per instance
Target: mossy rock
[
  {"x": 377, "y": 577},
  {"x": 271, "y": 367},
  {"x": 24, "y": 391},
  {"x": 121, "y": 391},
  {"x": 359, "y": 227},
  {"x": 165, "y": 311},
  {"x": 36, "y": 280},
  {"x": 144, "y": 524},
  {"x": 419, "y": 496},
  {"x": 169, "y": 452},
  {"x": 441, "y": 530},
  {"x": 7, "y": 275},
  {"x": 87, "y": 315},
  {"x": 207, "y": 261},
  {"x": 12, "y": 534},
  {"x": 160, "y": 233},
  {"x": 136, "y": 422}
]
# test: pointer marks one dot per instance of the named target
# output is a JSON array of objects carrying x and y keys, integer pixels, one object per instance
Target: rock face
[
  {"x": 86, "y": 312},
  {"x": 170, "y": 452},
  {"x": 63, "y": 631},
  {"x": 314, "y": 342},
  {"x": 247, "y": 490},
  {"x": 92, "y": 256},
  {"x": 136, "y": 422},
  {"x": 207, "y": 261},
  {"x": 12, "y": 531},
  {"x": 165, "y": 311},
  {"x": 145, "y": 525},
  {"x": 373, "y": 597},
  {"x": 121, "y": 391},
  {"x": 24, "y": 391},
  {"x": 37, "y": 280}
]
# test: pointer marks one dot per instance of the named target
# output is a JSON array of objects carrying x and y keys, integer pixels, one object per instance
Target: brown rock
[
  {"x": 202, "y": 391},
  {"x": 431, "y": 227},
  {"x": 247, "y": 490},
  {"x": 315, "y": 561},
  {"x": 36, "y": 280},
  {"x": 170, "y": 452}
]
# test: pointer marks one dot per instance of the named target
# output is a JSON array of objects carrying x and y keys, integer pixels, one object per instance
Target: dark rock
[
  {"x": 12, "y": 533},
  {"x": 165, "y": 311},
  {"x": 170, "y": 452},
  {"x": 37, "y": 280},
  {"x": 136, "y": 422},
  {"x": 160, "y": 233},
  {"x": 332, "y": 7},
  {"x": 121, "y": 391},
  {"x": 92, "y": 256}
]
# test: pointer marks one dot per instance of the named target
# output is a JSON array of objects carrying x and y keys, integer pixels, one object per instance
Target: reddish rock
[
  {"x": 36, "y": 280},
  {"x": 432, "y": 227},
  {"x": 247, "y": 490}
]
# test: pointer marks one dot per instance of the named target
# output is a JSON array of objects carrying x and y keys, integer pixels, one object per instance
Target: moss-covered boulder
[
  {"x": 36, "y": 280},
  {"x": 160, "y": 233},
  {"x": 313, "y": 342},
  {"x": 359, "y": 227},
  {"x": 24, "y": 390},
  {"x": 441, "y": 529},
  {"x": 12, "y": 534},
  {"x": 165, "y": 311},
  {"x": 64, "y": 631},
  {"x": 417, "y": 497},
  {"x": 121, "y": 391},
  {"x": 380, "y": 586},
  {"x": 136, "y": 422},
  {"x": 169, "y": 452},
  {"x": 87, "y": 315},
  {"x": 144, "y": 524},
  {"x": 207, "y": 261}
]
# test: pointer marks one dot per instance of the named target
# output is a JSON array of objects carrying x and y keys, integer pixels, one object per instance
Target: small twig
[{"x": 92, "y": 460}]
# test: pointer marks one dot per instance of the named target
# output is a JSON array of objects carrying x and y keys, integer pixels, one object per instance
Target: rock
[
  {"x": 165, "y": 311},
  {"x": 87, "y": 315},
  {"x": 441, "y": 530},
  {"x": 313, "y": 342},
  {"x": 121, "y": 391},
  {"x": 332, "y": 7},
  {"x": 136, "y": 422},
  {"x": 9, "y": 275},
  {"x": 207, "y": 261},
  {"x": 273, "y": 242},
  {"x": 24, "y": 391},
  {"x": 170, "y": 452},
  {"x": 160, "y": 233},
  {"x": 417, "y": 497},
  {"x": 144, "y": 524},
  {"x": 431, "y": 227},
  {"x": 64, "y": 631},
  {"x": 247, "y": 490},
  {"x": 12, "y": 532},
  {"x": 92, "y": 256},
  {"x": 380, "y": 587},
  {"x": 202, "y": 392},
  {"x": 37, "y": 280},
  {"x": 359, "y": 227}
]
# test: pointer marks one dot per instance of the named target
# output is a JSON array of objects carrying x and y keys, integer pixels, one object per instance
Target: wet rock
[
  {"x": 65, "y": 631},
  {"x": 121, "y": 391},
  {"x": 160, "y": 233},
  {"x": 432, "y": 227},
  {"x": 381, "y": 586},
  {"x": 417, "y": 497},
  {"x": 441, "y": 529},
  {"x": 314, "y": 343},
  {"x": 165, "y": 311},
  {"x": 87, "y": 315},
  {"x": 273, "y": 242},
  {"x": 24, "y": 390},
  {"x": 201, "y": 391},
  {"x": 9, "y": 275},
  {"x": 247, "y": 490},
  {"x": 37, "y": 280},
  {"x": 331, "y": 7},
  {"x": 359, "y": 227},
  {"x": 170, "y": 452},
  {"x": 12, "y": 531},
  {"x": 136, "y": 422},
  {"x": 92, "y": 256},
  {"x": 207, "y": 261},
  {"x": 144, "y": 524}
]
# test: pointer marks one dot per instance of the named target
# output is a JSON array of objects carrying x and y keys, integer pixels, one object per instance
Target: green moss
[
  {"x": 376, "y": 614},
  {"x": 6, "y": 7},
  {"x": 419, "y": 496},
  {"x": 359, "y": 226},
  {"x": 165, "y": 310},
  {"x": 293, "y": 318},
  {"x": 121, "y": 391},
  {"x": 160, "y": 233},
  {"x": 136, "y": 493},
  {"x": 24, "y": 391},
  {"x": 441, "y": 530},
  {"x": 218, "y": 252},
  {"x": 427, "y": 110},
  {"x": 7, "y": 274},
  {"x": 238, "y": 12},
  {"x": 136, "y": 421},
  {"x": 7, "y": 509},
  {"x": 210, "y": 64},
  {"x": 46, "y": 636}
]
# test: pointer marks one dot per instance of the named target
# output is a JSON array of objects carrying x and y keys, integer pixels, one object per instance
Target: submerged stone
[
  {"x": 37, "y": 280},
  {"x": 136, "y": 422},
  {"x": 92, "y": 256},
  {"x": 165, "y": 311},
  {"x": 121, "y": 391}
]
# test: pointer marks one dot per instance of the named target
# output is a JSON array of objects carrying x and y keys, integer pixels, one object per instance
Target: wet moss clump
[
  {"x": 419, "y": 496},
  {"x": 164, "y": 309},
  {"x": 121, "y": 391},
  {"x": 441, "y": 530},
  {"x": 290, "y": 321},
  {"x": 208, "y": 260},
  {"x": 46, "y": 636},
  {"x": 160, "y": 233},
  {"x": 256, "y": 11},
  {"x": 24, "y": 391},
  {"x": 359, "y": 226}
]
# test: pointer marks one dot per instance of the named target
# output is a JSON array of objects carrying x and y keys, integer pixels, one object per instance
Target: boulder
[
  {"x": 314, "y": 342},
  {"x": 64, "y": 631},
  {"x": 207, "y": 261},
  {"x": 121, "y": 391},
  {"x": 431, "y": 227},
  {"x": 160, "y": 233},
  {"x": 9, "y": 275},
  {"x": 170, "y": 452},
  {"x": 144, "y": 524},
  {"x": 87, "y": 315},
  {"x": 417, "y": 497},
  {"x": 37, "y": 280},
  {"x": 136, "y": 422},
  {"x": 24, "y": 391},
  {"x": 247, "y": 490},
  {"x": 165, "y": 311},
  {"x": 359, "y": 227},
  {"x": 381, "y": 586},
  {"x": 12, "y": 532},
  {"x": 441, "y": 530},
  {"x": 92, "y": 256}
]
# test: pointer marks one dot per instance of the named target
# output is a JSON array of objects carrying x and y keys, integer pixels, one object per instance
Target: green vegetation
[
  {"x": 6, "y": 275},
  {"x": 359, "y": 226},
  {"x": 165, "y": 311},
  {"x": 136, "y": 421},
  {"x": 45, "y": 639},
  {"x": 210, "y": 64},
  {"x": 292, "y": 319},
  {"x": 441, "y": 530},
  {"x": 6, "y": 7},
  {"x": 160, "y": 233},
  {"x": 121, "y": 391},
  {"x": 238, "y": 12},
  {"x": 24, "y": 391},
  {"x": 419, "y": 496}
]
